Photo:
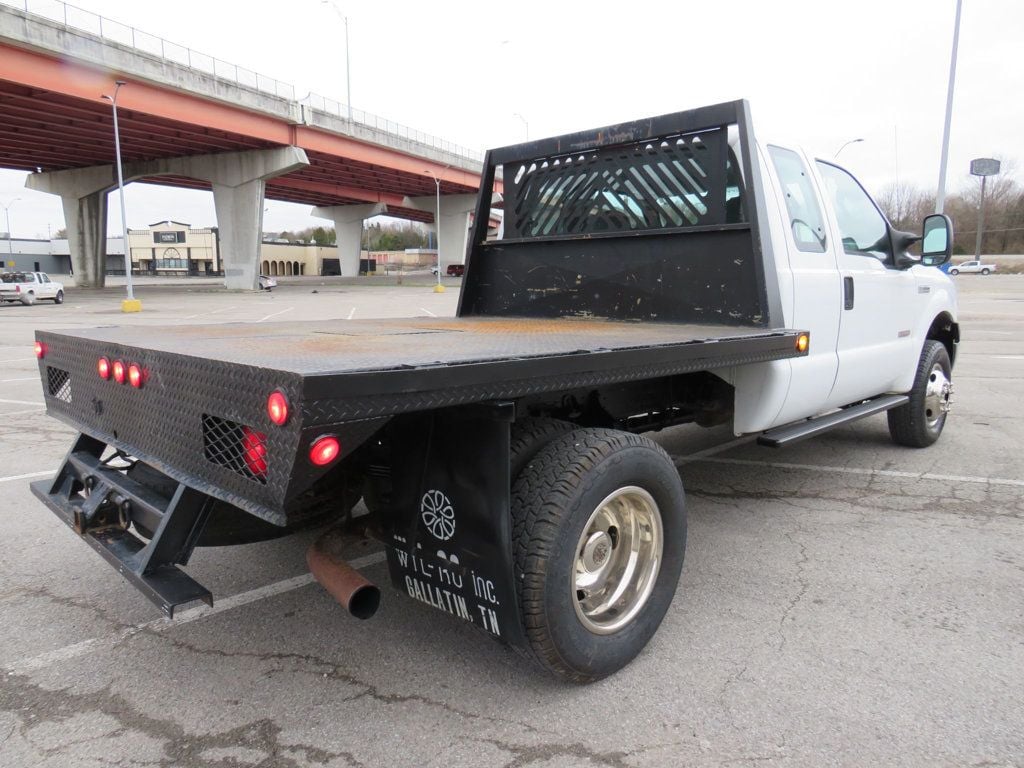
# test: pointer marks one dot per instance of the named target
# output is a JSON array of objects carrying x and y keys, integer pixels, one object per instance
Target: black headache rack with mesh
[{"x": 656, "y": 219}]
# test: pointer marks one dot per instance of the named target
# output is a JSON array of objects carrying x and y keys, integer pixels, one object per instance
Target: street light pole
[
  {"x": 940, "y": 195},
  {"x": 7, "y": 215},
  {"x": 130, "y": 304},
  {"x": 348, "y": 68},
  {"x": 437, "y": 226},
  {"x": 525, "y": 124},
  {"x": 851, "y": 141}
]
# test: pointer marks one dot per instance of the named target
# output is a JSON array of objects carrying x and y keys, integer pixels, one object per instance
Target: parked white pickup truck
[
  {"x": 30, "y": 287},
  {"x": 972, "y": 268},
  {"x": 658, "y": 272}
]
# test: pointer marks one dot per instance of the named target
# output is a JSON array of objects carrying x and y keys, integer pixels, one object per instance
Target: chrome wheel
[
  {"x": 938, "y": 396},
  {"x": 617, "y": 560}
]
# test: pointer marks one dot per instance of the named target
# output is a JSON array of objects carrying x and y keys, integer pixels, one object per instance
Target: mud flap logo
[{"x": 438, "y": 515}]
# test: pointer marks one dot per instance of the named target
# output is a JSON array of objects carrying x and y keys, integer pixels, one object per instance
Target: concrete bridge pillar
[
  {"x": 453, "y": 228},
  {"x": 238, "y": 180},
  {"x": 83, "y": 195},
  {"x": 348, "y": 229}
]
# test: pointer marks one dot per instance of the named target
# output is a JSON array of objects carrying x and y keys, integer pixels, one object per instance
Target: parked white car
[
  {"x": 30, "y": 287},
  {"x": 267, "y": 283},
  {"x": 972, "y": 268}
]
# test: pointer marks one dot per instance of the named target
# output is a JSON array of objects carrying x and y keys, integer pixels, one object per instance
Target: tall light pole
[
  {"x": 525, "y": 124},
  {"x": 131, "y": 304},
  {"x": 7, "y": 214},
  {"x": 348, "y": 68},
  {"x": 940, "y": 194},
  {"x": 851, "y": 141},
  {"x": 437, "y": 225}
]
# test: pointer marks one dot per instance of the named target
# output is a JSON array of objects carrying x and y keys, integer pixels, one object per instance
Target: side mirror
[{"x": 936, "y": 240}]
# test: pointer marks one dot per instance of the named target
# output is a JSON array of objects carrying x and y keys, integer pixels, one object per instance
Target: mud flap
[{"x": 445, "y": 517}]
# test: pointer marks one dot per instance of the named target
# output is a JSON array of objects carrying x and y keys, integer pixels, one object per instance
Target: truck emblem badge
[{"x": 438, "y": 515}]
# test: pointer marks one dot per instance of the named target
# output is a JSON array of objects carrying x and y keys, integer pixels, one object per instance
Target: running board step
[{"x": 791, "y": 433}]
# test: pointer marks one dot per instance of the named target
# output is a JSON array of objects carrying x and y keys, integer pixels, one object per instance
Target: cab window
[
  {"x": 805, "y": 219},
  {"x": 862, "y": 226}
]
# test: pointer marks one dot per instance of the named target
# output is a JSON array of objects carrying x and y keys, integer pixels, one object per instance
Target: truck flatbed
[{"x": 341, "y": 350}]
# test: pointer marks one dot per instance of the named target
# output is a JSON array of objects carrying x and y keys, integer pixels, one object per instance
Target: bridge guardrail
[{"x": 73, "y": 17}]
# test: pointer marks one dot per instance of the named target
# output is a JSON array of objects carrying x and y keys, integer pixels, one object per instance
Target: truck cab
[{"x": 844, "y": 273}]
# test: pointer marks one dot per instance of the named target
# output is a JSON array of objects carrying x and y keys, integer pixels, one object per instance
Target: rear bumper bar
[{"x": 102, "y": 505}]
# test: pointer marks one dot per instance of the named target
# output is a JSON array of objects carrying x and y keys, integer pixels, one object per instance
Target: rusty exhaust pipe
[{"x": 345, "y": 584}]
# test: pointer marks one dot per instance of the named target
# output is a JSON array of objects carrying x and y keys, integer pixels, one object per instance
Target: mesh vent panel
[
  {"x": 663, "y": 183},
  {"x": 58, "y": 383},
  {"x": 239, "y": 448}
]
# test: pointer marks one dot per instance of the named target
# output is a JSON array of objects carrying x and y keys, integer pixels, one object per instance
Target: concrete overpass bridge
[{"x": 192, "y": 121}]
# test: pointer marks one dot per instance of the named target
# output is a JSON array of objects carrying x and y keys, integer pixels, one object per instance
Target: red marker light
[
  {"x": 277, "y": 407},
  {"x": 324, "y": 450},
  {"x": 40, "y": 350},
  {"x": 119, "y": 372},
  {"x": 103, "y": 368},
  {"x": 135, "y": 377},
  {"x": 254, "y": 451}
]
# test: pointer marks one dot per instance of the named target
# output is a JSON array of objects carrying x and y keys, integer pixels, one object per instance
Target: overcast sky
[{"x": 818, "y": 73}]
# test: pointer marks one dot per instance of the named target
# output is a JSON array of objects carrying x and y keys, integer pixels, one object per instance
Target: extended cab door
[
  {"x": 816, "y": 295},
  {"x": 876, "y": 323}
]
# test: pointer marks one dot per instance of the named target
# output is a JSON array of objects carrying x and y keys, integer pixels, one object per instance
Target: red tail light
[
  {"x": 103, "y": 368},
  {"x": 254, "y": 451},
  {"x": 135, "y": 375},
  {"x": 277, "y": 407},
  {"x": 119, "y": 372},
  {"x": 324, "y": 450},
  {"x": 40, "y": 350}
]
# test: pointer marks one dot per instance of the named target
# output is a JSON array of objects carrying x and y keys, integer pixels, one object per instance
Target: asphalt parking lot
[{"x": 843, "y": 602}]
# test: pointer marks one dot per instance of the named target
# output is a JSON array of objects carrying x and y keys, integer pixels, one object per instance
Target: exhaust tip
[
  {"x": 364, "y": 602},
  {"x": 359, "y": 596}
]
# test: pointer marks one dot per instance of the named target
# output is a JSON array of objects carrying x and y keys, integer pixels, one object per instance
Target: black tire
[
  {"x": 29, "y": 299},
  {"x": 985, "y": 271},
  {"x": 59, "y": 298},
  {"x": 918, "y": 424},
  {"x": 529, "y": 436},
  {"x": 954, "y": 271},
  {"x": 552, "y": 502}
]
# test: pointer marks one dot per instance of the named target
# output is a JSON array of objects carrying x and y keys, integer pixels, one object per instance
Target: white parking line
[
  {"x": 19, "y": 360},
  {"x": 275, "y": 314},
  {"x": 1008, "y": 357},
  {"x": 687, "y": 458},
  {"x": 28, "y": 378},
  {"x": 11, "y": 478},
  {"x": 185, "y": 617},
  {"x": 352, "y": 313},
  {"x": 424, "y": 309},
  {"x": 23, "y": 402},
  {"x": 870, "y": 472},
  {"x": 19, "y": 413}
]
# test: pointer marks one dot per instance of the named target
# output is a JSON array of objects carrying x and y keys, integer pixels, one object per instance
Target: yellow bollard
[{"x": 131, "y": 305}]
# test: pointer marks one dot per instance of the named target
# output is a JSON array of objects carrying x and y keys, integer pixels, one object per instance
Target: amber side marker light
[
  {"x": 40, "y": 350},
  {"x": 277, "y": 407},
  {"x": 803, "y": 341},
  {"x": 324, "y": 450}
]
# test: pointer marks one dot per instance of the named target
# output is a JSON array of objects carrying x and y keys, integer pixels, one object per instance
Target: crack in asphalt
[
  {"x": 801, "y": 561},
  {"x": 34, "y": 705},
  {"x": 526, "y": 755}
]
